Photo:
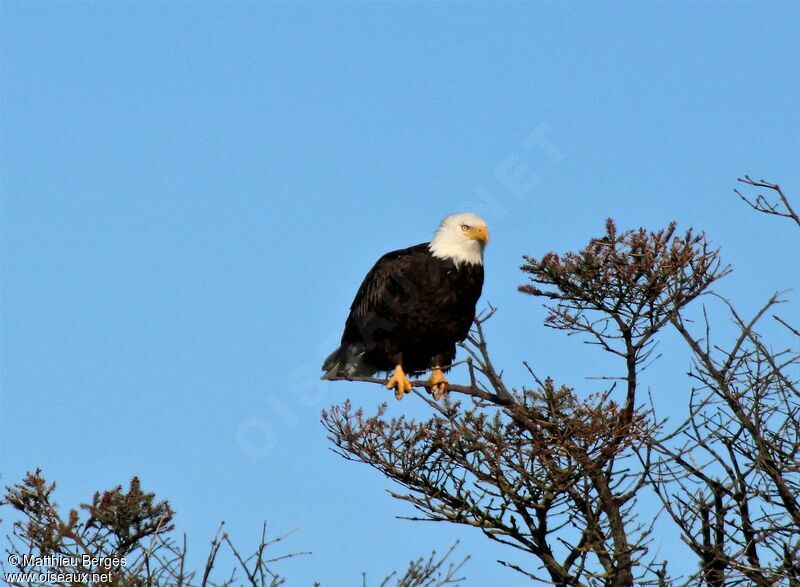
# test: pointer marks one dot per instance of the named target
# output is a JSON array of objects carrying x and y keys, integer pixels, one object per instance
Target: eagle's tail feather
[{"x": 347, "y": 361}]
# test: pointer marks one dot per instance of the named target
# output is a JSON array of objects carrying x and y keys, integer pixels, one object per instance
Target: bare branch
[{"x": 782, "y": 207}]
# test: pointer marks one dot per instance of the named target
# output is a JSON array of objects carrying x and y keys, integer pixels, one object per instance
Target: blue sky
[{"x": 192, "y": 193}]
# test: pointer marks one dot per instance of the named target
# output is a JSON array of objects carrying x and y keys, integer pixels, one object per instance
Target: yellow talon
[
  {"x": 439, "y": 387},
  {"x": 399, "y": 382}
]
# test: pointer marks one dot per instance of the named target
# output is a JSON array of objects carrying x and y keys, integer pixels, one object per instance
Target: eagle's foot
[
  {"x": 439, "y": 387},
  {"x": 399, "y": 382}
]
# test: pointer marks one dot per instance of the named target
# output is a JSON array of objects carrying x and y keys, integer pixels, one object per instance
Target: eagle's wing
[
  {"x": 379, "y": 310},
  {"x": 389, "y": 285}
]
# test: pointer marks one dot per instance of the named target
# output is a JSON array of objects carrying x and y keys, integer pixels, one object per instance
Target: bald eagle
[{"x": 412, "y": 308}]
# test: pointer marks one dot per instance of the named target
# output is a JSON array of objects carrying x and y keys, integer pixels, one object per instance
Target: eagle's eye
[{"x": 465, "y": 227}]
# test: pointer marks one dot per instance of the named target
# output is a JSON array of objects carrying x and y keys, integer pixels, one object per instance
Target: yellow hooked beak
[{"x": 478, "y": 233}]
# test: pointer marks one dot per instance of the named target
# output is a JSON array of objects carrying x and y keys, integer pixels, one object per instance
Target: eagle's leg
[
  {"x": 439, "y": 383},
  {"x": 399, "y": 382}
]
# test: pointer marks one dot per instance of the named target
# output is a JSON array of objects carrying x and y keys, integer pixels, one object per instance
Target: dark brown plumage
[{"x": 411, "y": 303}]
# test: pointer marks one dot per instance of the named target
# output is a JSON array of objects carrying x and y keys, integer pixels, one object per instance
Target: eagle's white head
[{"x": 460, "y": 238}]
